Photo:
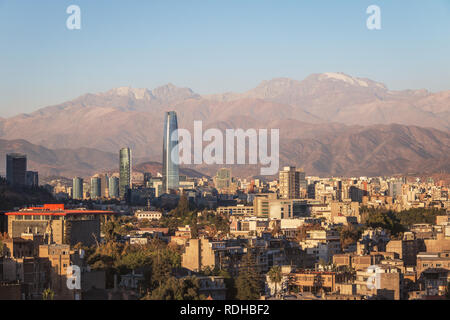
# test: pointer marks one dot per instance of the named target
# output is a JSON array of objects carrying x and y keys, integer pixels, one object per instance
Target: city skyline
[{"x": 225, "y": 154}]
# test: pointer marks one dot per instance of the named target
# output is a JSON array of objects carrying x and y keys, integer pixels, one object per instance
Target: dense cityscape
[{"x": 125, "y": 235}]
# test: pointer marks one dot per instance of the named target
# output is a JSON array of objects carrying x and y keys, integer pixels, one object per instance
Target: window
[{"x": 27, "y": 217}]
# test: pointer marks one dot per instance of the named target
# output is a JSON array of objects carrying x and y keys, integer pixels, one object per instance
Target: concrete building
[
  {"x": 407, "y": 249},
  {"x": 239, "y": 210},
  {"x": 223, "y": 181},
  {"x": 149, "y": 215},
  {"x": 292, "y": 181},
  {"x": 316, "y": 281},
  {"x": 323, "y": 244},
  {"x": 57, "y": 224},
  {"x": 379, "y": 282}
]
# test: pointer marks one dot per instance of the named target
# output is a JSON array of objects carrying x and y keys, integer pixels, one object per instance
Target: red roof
[{"x": 54, "y": 210}]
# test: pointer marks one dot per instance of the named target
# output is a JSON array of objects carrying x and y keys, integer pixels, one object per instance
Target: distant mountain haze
[
  {"x": 81, "y": 162},
  {"x": 330, "y": 124}
]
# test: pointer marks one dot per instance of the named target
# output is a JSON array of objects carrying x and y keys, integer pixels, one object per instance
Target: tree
[
  {"x": 48, "y": 294},
  {"x": 276, "y": 230},
  {"x": 182, "y": 208},
  {"x": 177, "y": 289},
  {"x": 230, "y": 284},
  {"x": 249, "y": 282},
  {"x": 386, "y": 220},
  {"x": 275, "y": 276},
  {"x": 349, "y": 235},
  {"x": 111, "y": 230}
]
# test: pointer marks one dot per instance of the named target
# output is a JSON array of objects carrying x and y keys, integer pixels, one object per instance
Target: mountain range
[{"x": 330, "y": 124}]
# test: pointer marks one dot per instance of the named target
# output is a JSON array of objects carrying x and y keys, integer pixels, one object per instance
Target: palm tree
[
  {"x": 48, "y": 294},
  {"x": 275, "y": 276}
]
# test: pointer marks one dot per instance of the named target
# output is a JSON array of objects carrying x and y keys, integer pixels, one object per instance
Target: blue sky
[{"x": 213, "y": 46}]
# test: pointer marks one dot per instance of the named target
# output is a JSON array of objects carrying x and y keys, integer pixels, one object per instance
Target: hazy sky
[{"x": 213, "y": 46}]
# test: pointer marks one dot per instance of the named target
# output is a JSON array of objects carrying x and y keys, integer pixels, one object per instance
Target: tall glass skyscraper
[
  {"x": 125, "y": 171},
  {"x": 113, "y": 187},
  {"x": 170, "y": 153},
  {"x": 77, "y": 188},
  {"x": 96, "y": 189}
]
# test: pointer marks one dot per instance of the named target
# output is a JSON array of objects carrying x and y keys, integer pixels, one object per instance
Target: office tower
[
  {"x": 223, "y": 181},
  {"x": 312, "y": 190},
  {"x": 96, "y": 190},
  {"x": 16, "y": 168},
  {"x": 291, "y": 181},
  {"x": 147, "y": 179},
  {"x": 395, "y": 188},
  {"x": 302, "y": 180},
  {"x": 113, "y": 187},
  {"x": 170, "y": 153},
  {"x": 339, "y": 192},
  {"x": 77, "y": 188},
  {"x": 125, "y": 171},
  {"x": 104, "y": 185},
  {"x": 32, "y": 178}
]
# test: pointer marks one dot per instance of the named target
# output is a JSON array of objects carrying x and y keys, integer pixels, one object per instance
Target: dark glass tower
[
  {"x": 113, "y": 187},
  {"x": 96, "y": 189},
  {"x": 170, "y": 153},
  {"x": 125, "y": 172},
  {"x": 16, "y": 168},
  {"x": 77, "y": 188}
]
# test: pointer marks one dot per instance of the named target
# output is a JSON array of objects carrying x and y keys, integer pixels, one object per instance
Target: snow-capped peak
[{"x": 343, "y": 77}]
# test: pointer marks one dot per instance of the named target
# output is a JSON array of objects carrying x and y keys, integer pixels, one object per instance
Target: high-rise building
[
  {"x": 16, "y": 168},
  {"x": 104, "y": 185},
  {"x": 292, "y": 180},
  {"x": 96, "y": 189},
  {"x": 125, "y": 171},
  {"x": 147, "y": 179},
  {"x": 170, "y": 153},
  {"x": 223, "y": 181},
  {"x": 395, "y": 188},
  {"x": 32, "y": 178},
  {"x": 113, "y": 187},
  {"x": 77, "y": 188}
]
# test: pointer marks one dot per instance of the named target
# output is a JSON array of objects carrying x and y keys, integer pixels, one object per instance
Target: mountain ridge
[{"x": 309, "y": 112}]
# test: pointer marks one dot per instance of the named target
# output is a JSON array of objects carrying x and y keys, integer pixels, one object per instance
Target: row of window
[{"x": 37, "y": 217}]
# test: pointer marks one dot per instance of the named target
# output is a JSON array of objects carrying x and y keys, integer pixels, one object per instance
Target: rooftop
[{"x": 55, "y": 210}]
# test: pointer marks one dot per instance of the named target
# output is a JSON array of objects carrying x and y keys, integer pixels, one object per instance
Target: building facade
[
  {"x": 16, "y": 168},
  {"x": 170, "y": 153},
  {"x": 125, "y": 171}
]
